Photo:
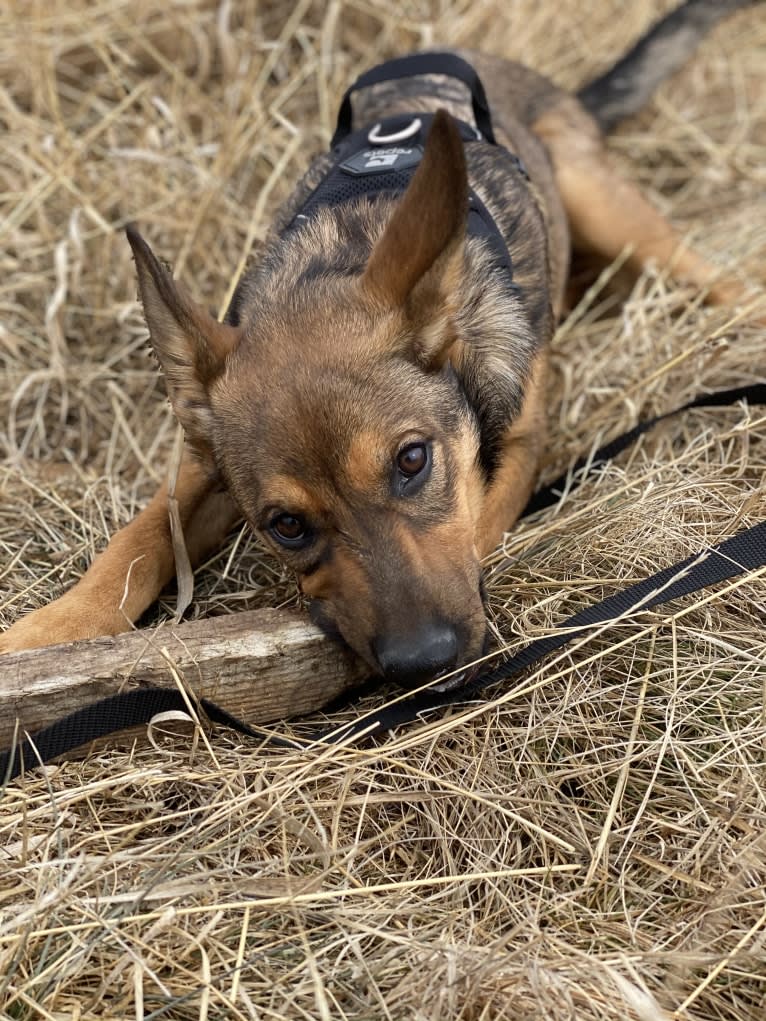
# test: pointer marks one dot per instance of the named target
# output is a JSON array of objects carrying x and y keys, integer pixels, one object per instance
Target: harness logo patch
[{"x": 381, "y": 160}]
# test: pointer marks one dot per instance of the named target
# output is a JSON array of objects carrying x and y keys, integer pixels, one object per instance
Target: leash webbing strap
[
  {"x": 110, "y": 715},
  {"x": 551, "y": 493},
  {"x": 743, "y": 552},
  {"x": 420, "y": 63}
]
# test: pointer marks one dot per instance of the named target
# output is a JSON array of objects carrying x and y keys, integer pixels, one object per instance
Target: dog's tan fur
[{"x": 302, "y": 400}]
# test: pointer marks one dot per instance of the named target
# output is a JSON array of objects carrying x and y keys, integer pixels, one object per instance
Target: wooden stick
[{"x": 261, "y": 665}]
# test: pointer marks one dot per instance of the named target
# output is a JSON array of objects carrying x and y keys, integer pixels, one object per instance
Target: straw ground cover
[{"x": 592, "y": 843}]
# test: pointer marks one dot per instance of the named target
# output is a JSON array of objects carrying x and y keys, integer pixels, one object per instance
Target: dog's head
[{"x": 338, "y": 423}]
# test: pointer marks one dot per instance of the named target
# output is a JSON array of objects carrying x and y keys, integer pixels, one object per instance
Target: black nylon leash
[
  {"x": 745, "y": 551},
  {"x": 551, "y": 493},
  {"x": 109, "y": 716}
]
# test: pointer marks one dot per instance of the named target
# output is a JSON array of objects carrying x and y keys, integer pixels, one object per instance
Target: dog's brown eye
[
  {"x": 288, "y": 529},
  {"x": 412, "y": 460}
]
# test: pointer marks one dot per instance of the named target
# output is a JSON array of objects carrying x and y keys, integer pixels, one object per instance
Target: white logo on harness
[
  {"x": 382, "y": 160},
  {"x": 383, "y": 157}
]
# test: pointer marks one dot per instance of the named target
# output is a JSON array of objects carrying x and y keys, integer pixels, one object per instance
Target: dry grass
[{"x": 590, "y": 845}]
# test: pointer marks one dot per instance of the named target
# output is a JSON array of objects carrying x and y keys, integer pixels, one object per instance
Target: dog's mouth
[
  {"x": 453, "y": 680},
  {"x": 450, "y": 682},
  {"x": 458, "y": 678},
  {"x": 446, "y": 680}
]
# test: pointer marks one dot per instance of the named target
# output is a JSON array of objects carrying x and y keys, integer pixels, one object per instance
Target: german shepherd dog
[{"x": 374, "y": 402}]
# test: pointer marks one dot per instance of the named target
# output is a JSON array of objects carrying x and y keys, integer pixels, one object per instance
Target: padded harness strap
[{"x": 415, "y": 64}]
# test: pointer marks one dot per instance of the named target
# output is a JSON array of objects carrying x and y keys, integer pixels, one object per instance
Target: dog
[{"x": 374, "y": 403}]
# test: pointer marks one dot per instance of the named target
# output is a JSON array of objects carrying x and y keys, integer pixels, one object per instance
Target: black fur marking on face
[
  {"x": 321, "y": 619},
  {"x": 488, "y": 422},
  {"x": 491, "y": 445},
  {"x": 324, "y": 558}
]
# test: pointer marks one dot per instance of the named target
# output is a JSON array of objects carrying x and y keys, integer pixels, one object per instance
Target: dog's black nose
[{"x": 413, "y": 659}]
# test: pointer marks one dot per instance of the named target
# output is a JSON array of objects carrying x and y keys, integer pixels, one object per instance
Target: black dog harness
[{"x": 382, "y": 159}]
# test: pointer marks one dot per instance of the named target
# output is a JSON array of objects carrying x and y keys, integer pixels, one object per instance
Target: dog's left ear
[
  {"x": 417, "y": 264},
  {"x": 191, "y": 345}
]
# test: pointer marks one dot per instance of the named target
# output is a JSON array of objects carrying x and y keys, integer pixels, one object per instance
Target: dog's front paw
[{"x": 64, "y": 620}]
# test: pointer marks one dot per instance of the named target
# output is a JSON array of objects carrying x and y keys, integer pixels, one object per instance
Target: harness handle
[{"x": 415, "y": 64}]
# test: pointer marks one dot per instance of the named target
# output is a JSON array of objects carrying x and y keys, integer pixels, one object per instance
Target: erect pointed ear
[
  {"x": 417, "y": 264},
  {"x": 191, "y": 345}
]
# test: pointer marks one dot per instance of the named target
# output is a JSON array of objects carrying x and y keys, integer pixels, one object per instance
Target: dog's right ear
[
  {"x": 417, "y": 265},
  {"x": 191, "y": 345}
]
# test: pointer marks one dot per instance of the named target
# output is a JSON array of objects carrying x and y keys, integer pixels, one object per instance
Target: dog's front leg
[
  {"x": 514, "y": 479},
  {"x": 134, "y": 568}
]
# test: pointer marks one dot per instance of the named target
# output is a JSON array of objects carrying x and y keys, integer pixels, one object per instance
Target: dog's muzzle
[{"x": 414, "y": 659}]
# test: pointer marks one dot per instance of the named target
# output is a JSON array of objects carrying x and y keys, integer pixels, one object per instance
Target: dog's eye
[
  {"x": 412, "y": 468},
  {"x": 289, "y": 530},
  {"x": 412, "y": 459}
]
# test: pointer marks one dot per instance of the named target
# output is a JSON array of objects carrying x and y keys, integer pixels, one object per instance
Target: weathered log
[{"x": 260, "y": 665}]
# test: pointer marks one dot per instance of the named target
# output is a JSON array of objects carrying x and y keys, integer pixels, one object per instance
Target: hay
[{"x": 590, "y": 844}]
